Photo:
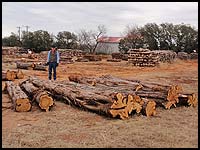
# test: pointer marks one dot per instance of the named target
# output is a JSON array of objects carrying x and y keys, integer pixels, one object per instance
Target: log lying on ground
[
  {"x": 41, "y": 96},
  {"x": 12, "y": 75},
  {"x": 164, "y": 95},
  {"x": 188, "y": 99},
  {"x": 28, "y": 66},
  {"x": 20, "y": 100},
  {"x": 84, "y": 97},
  {"x": 8, "y": 75},
  {"x": 41, "y": 67}
]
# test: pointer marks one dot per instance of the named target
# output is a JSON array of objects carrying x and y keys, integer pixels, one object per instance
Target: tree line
[{"x": 166, "y": 36}]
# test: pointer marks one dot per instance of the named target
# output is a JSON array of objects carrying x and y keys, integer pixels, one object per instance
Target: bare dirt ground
[{"x": 65, "y": 126}]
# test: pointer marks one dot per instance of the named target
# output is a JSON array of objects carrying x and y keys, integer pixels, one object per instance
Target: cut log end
[
  {"x": 20, "y": 74},
  {"x": 173, "y": 94},
  {"x": 23, "y": 105},
  {"x": 192, "y": 100},
  {"x": 45, "y": 102},
  {"x": 150, "y": 109}
]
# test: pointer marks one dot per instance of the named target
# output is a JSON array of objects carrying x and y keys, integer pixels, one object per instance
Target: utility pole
[{"x": 27, "y": 28}]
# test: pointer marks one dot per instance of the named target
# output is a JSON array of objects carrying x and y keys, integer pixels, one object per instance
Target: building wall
[{"x": 107, "y": 48}]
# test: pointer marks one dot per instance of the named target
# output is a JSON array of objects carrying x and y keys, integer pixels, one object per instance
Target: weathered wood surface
[
  {"x": 88, "y": 97},
  {"x": 166, "y": 95},
  {"x": 20, "y": 100},
  {"x": 11, "y": 75},
  {"x": 42, "y": 97},
  {"x": 28, "y": 66}
]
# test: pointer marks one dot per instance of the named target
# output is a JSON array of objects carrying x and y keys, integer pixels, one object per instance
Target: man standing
[{"x": 53, "y": 61}]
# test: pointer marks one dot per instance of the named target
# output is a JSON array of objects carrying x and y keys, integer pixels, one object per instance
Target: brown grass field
[{"x": 69, "y": 127}]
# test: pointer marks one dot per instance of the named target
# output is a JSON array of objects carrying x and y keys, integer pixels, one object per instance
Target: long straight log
[
  {"x": 40, "y": 67},
  {"x": 20, "y": 100},
  {"x": 28, "y": 66},
  {"x": 87, "y": 99},
  {"x": 144, "y": 89},
  {"x": 42, "y": 97}
]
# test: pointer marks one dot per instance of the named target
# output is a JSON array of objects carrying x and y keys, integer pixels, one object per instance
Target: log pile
[
  {"x": 117, "y": 55},
  {"x": 165, "y": 55},
  {"x": 183, "y": 55},
  {"x": 164, "y": 95},
  {"x": 9, "y": 50},
  {"x": 92, "y": 57},
  {"x": 142, "y": 57},
  {"x": 11, "y": 75},
  {"x": 20, "y": 100},
  {"x": 193, "y": 55},
  {"x": 39, "y": 95},
  {"x": 112, "y": 96},
  {"x": 120, "y": 56}
]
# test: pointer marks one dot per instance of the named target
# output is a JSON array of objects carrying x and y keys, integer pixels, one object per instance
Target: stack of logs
[
  {"x": 24, "y": 95},
  {"x": 11, "y": 75},
  {"x": 69, "y": 55},
  {"x": 165, "y": 55},
  {"x": 119, "y": 56},
  {"x": 32, "y": 66},
  {"x": 108, "y": 95},
  {"x": 142, "y": 57}
]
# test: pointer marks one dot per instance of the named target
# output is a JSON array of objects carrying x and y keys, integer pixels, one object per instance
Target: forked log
[
  {"x": 42, "y": 97},
  {"x": 20, "y": 100}
]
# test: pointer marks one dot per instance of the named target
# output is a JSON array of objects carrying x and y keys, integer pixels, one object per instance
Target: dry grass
[{"x": 68, "y": 127}]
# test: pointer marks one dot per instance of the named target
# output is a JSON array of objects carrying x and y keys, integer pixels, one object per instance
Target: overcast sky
[{"x": 73, "y": 16}]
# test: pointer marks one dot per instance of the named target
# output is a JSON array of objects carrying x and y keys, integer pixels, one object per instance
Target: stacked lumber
[
  {"x": 11, "y": 75},
  {"x": 183, "y": 55},
  {"x": 142, "y": 57},
  {"x": 92, "y": 57},
  {"x": 32, "y": 66},
  {"x": 20, "y": 100},
  {"x": 165, "y": 55}
]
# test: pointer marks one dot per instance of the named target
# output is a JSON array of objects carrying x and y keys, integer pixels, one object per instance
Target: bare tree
[{"x": 88, "y": 40}]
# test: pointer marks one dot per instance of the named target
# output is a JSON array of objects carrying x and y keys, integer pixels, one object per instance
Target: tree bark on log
[
  {"x": 20, "y": 100},
  {"x": 40, "y": 67},
  {"x": 86, "y": 98},
  {"x": 28, "y": 66},
  {"x": 143, "y": 89},
  {"x": 12, "y": 75},
  {"x": 39, "y": 95}
]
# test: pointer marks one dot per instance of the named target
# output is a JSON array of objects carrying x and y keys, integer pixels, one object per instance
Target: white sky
[{"x": 73, "y": 16}]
